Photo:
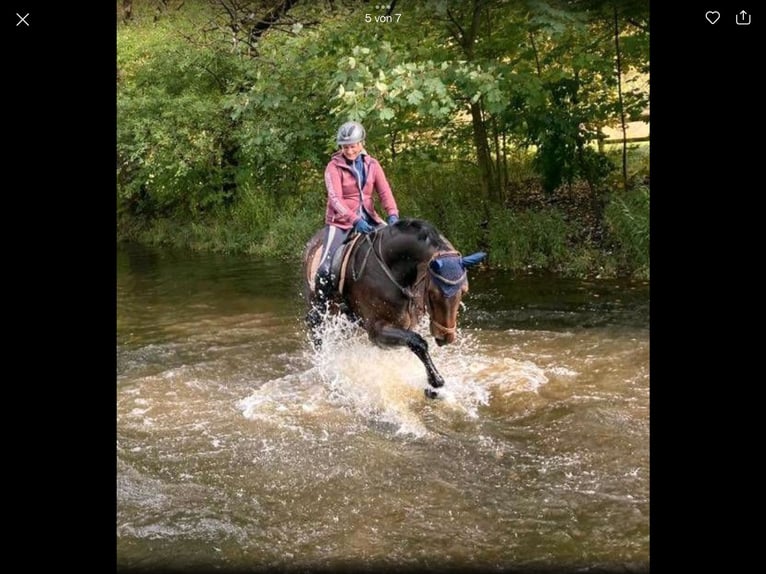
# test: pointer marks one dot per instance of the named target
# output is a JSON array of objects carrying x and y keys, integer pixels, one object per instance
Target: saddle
[{"x": 338, "y": 263}]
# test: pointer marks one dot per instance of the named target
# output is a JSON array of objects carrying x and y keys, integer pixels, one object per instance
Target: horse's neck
[{"x": 408, "y": 259}]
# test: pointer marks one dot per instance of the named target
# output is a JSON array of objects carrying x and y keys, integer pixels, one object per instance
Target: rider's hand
[
  {"x": 392, "y": 219},
  {"x": 362, "y": 226}
]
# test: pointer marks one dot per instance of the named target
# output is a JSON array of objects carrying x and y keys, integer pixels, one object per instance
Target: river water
[{"x": 240, "y": 447}]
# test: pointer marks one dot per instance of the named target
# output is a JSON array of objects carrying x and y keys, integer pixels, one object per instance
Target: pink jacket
[{"x": 343, "y": 192}]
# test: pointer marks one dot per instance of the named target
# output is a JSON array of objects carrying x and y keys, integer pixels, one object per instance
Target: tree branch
[{"x": 271, "y": 18}]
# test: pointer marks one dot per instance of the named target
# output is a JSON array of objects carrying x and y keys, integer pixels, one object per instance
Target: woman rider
[{"x": 352, "y": 176}]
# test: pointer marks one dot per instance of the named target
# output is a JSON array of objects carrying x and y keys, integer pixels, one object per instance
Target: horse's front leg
[{"x": 386, "y": 335}]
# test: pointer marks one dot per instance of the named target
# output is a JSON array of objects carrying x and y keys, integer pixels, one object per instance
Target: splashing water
[
  {"x": 385, "y": 385},
  {"x": 241, "y": 447}
]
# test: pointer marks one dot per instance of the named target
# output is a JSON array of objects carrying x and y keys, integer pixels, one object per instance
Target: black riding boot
[
  {"x": 322, "y": 289},
  {"x": 319, "y": 306}
]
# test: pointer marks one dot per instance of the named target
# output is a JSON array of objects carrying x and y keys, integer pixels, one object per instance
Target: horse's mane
[{"x": 423, "y": 231}]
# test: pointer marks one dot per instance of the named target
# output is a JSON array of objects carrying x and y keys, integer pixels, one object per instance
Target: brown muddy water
[{"x": 241, "y": 448}]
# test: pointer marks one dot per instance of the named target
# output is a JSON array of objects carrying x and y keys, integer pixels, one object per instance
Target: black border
[{"x": 60, "y": 240}]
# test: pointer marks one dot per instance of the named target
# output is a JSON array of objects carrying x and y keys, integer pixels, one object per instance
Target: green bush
[
  {"x": 529, "y": 240},
  {"x": 627, "y": 222},
  {"x": 173, "y": 136},
  {"x": 446, "y": 194}
]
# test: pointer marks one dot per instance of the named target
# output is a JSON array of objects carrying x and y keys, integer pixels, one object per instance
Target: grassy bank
[{"x": 569, "y": 232}]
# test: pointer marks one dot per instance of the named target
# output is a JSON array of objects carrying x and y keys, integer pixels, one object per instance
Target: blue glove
[
  {"x": 392, "y": 219},
  {"x": 362, "y": 226}
]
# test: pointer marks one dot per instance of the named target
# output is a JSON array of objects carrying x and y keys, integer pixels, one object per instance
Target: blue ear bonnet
[
  {"x": 473, "y": 259},
  {"x": 448, "y": 273},
  {"x": 448, "y": 270}
]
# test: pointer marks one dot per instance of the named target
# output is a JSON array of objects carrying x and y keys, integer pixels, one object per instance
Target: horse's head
[
  {"x": 416, "y": 261},
  {"x": 448, "y": 282}
]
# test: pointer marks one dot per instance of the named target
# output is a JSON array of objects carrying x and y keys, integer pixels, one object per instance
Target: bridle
[
  {"x": 433, "y": 274},
  {"x": 425, "y": 278}
]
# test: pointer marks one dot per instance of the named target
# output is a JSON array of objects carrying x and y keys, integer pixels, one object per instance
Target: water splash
[{"x": 385, "y": 385}]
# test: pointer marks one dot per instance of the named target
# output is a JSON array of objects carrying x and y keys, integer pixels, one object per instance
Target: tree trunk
[
  {"x": 127, "y": 11},
  {"x": 393, "y": 145},
  {"x": 483, "y": 155},
  {"x": 499, "y": 187},
  {"x": 619, "y": 96},
  {"x": 466, "y": 38}
]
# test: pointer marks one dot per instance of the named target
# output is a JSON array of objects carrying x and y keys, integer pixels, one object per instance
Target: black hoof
[
  {"x": 430, "y": 393},
  {"x": 436, "y": 381}
]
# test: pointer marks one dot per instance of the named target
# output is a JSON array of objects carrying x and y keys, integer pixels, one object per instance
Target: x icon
[{"x": 22, "y": 18}]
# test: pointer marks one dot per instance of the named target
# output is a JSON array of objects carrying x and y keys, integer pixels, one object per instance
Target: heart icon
[{"x": 712, "y": 17}]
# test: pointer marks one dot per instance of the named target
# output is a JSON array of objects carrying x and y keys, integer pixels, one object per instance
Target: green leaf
[{"x": 415, "y": 97}]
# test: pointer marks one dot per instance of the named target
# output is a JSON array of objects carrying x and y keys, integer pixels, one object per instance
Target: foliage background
[{"x": 485, "y": 114}]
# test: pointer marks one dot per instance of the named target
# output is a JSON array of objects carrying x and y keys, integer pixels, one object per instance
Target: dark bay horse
[{"x": 389, "y": 279}]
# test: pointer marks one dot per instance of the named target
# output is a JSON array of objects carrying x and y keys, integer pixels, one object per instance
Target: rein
[{"x": 386, "y": 269}]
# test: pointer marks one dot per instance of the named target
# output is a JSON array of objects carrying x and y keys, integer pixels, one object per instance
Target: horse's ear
[{"x": 473, "y": 259}]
